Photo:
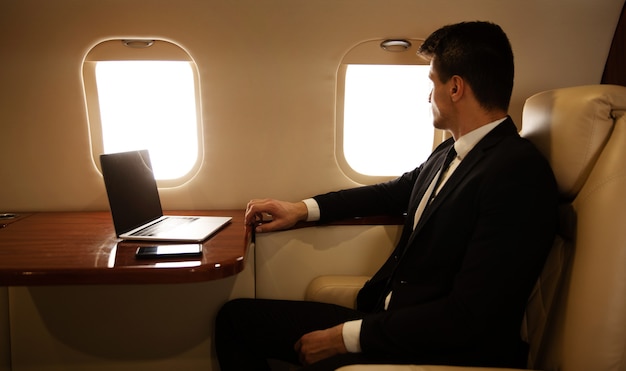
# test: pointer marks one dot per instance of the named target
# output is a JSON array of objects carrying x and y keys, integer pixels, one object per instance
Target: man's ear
[{"x": 457, "y": 87}]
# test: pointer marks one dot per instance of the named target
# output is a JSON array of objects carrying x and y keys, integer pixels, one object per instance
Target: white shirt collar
[{"x": 466, "y": 143}]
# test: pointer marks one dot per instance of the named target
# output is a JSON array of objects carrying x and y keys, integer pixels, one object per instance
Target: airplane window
[
  {"x": 384, "y": 119},
  {"x": 145, "y": 99},
  {"x": 387, "y": 125},
  {"x": 149, "y": 104}
]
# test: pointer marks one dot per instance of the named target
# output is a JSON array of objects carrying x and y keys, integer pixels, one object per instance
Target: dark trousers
[{"x": 248, "y": 332}]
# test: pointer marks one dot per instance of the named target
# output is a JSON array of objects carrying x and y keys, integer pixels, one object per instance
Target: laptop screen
[{"x": 131, "y": 188}]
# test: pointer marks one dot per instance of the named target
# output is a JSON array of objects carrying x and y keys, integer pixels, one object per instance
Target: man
[{"x": 475, "y": 239}]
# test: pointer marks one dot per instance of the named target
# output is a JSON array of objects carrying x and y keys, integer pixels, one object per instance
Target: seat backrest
[{"x": 576, "y": 317}]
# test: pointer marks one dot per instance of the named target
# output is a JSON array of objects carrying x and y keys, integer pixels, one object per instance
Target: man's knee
[
  {"x": 234, "y": 306},
  {"x": 232, "y": 312}
]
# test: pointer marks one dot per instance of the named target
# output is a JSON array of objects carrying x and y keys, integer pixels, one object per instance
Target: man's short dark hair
[{"x": 480, "y": 53}]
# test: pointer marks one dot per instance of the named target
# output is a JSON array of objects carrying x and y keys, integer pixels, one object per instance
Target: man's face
[{"x": 440, "y": 100}]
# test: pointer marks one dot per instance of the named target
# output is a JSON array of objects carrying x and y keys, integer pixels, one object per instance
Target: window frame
[
  {"x": 370, "y": 52},
  {"x": 136, "y": 50}
]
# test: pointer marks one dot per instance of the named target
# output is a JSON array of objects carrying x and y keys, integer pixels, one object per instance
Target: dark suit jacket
[{"x": 462, "y": 278}]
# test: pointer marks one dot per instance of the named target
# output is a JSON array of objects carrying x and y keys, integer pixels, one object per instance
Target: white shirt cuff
[
  {"x": 313, "y": 209},
  {"x": 352, "y": 335}
]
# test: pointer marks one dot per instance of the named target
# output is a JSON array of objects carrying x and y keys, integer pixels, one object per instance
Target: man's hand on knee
[{"x": 318, "y": 345}]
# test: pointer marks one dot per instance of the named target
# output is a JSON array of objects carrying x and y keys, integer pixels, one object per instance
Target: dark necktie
[
  {"x": 446, "y": 163},
  {"x": 450, "y": 155},
  {"x": 431, "y": 191}
]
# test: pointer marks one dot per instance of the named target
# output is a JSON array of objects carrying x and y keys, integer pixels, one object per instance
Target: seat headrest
[{"x": 570, "y": 126}]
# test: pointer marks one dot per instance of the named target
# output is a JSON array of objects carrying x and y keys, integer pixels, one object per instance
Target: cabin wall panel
[
  {"x": 288, "y": 261},
  {"x": 268, "y": 72}
]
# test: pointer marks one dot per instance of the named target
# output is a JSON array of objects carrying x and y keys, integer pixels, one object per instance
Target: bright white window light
[
  {"x": 150, "y": 105},
  {"x": 387, "y": 127}
]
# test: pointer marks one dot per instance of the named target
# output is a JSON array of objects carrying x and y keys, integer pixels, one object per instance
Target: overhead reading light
[
  {"x": 395, "y": 45},
  {"x": 138, "y": 44}
]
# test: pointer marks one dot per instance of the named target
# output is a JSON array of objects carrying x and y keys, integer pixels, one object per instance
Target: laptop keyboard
[{"x": 164, "y": 224}]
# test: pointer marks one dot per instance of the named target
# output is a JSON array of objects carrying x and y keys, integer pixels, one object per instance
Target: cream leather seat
[{"x": 576, "y": 316}]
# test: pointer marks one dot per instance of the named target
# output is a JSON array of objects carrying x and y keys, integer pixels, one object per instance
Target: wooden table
[{"x": 76, "y": 248}]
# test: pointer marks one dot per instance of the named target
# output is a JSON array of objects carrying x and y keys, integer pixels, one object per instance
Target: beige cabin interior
[{"x": 268, "y": 71}]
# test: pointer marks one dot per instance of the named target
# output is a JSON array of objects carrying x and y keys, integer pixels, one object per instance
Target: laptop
[{"x": 136, "y": 206}]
